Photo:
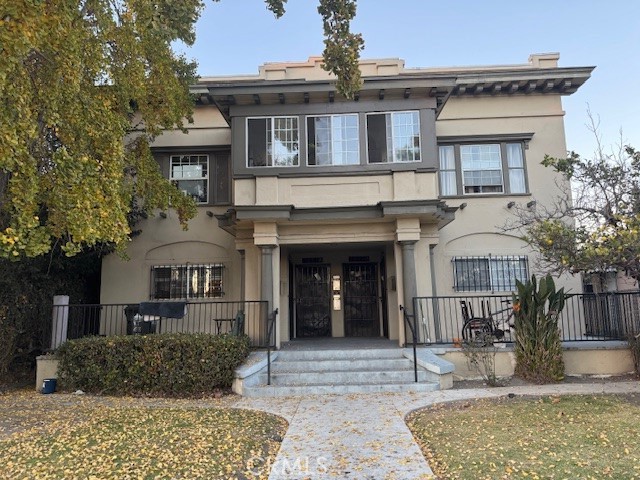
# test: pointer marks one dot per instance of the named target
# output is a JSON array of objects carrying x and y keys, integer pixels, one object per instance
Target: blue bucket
[{"x": 49, "y": 385}]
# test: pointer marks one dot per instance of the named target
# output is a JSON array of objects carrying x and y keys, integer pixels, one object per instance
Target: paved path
[{"x": 365, "y": 437}]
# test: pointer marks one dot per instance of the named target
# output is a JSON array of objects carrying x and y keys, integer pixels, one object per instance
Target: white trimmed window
[
  {"x": 481, "y": 168},
  {"x": 333, "y": 140},
  {"x": 393, "y": 137},
  {"x": 273, "y": 142},
  {"x": 448, "y": 180},
  {"x": 190, "y": 173},
  {"x": 187, "y": 281},
  {"x": 490, "y": 273},
  {"x": 485, "y": 168}
]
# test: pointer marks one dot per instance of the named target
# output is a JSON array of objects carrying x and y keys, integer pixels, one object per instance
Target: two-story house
[{"x": 339, "y": 211}]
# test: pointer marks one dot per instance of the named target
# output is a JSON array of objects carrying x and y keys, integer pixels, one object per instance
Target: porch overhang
[{"x": 432, "y": 211}]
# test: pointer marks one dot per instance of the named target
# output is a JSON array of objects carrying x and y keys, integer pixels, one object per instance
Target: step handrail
[
  {"x": 271, "y": 321},
  {"x": 413, "y": 327}
]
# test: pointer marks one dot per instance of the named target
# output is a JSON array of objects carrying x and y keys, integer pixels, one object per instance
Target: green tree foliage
[
  {"x": 538, "y": 348},
  {"x": 594, "y": 225},
  {"x": 85, "y": 85},
  {"x": 26, "y": 291},
  {"x": 341, "y": 47},
  {"x": 76, "y": 78}
]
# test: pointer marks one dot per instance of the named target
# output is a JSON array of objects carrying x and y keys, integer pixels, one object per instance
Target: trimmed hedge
[{"x": 167, "y": 364}]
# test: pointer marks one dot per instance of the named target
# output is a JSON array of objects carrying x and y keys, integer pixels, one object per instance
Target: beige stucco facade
[{"x": 388, "y": 222}]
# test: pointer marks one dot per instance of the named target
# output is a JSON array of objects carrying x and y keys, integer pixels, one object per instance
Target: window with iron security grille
[
  {"x": 490, "y": 273},
  {"x": 187, "y": 281}
]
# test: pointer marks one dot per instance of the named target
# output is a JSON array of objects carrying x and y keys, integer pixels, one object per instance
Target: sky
[{"x": 236, "y": 36}]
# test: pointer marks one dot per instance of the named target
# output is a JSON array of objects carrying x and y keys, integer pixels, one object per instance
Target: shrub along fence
[
  {"x": 172, "y": 364},
  {"x": 585, "y": 317}
]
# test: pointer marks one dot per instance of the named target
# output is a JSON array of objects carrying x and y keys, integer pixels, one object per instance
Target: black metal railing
[
  {"x": 76, "y": 321},
  {"x": 271, "y": 340},
  {"x": 585, "y": 317},
  {"x": 410, "y": 321}
]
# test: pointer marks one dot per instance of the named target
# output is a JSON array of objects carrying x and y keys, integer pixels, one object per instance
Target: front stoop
[{"x": 340, "y": 371}]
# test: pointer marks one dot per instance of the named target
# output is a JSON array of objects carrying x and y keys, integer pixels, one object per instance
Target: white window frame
[
  {"x": 492, "y": 261},
  {"x": 186, "y": 271},
  {"x": 393, "y": 114},
  {"x": 271, "y": 119},
  {"x": 500, "y": 160},
  {"x": 442, "y": 170},
  {"x": 506, "y": 169},
  {"x": 331, "y": 154},
  {"x": 204, "y": 178}
]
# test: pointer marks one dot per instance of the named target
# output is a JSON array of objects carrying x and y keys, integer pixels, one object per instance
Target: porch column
[
  {"x": 409, "y": 273},
  {"x": 407, "y": 235},
  {"x": 266, "y": 275},
  {"x": 242, "y": 274}
]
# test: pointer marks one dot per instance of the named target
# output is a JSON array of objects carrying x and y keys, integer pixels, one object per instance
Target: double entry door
[{"x": 359, "y": 302}]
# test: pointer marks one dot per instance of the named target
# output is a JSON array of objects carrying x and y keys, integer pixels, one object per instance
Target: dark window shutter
[
  {"x": 377, "y": 138},
  {"x": 257, "y": 138},
  {"x": 221, "y": 167}
]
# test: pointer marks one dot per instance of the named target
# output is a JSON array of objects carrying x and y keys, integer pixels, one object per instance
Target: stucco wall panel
[
  {"x": 208, "y": 128},
  {"x": 469, "y": 107},
  {"x": 337, "y": 191},
  {"x": 163, "y": 241}
]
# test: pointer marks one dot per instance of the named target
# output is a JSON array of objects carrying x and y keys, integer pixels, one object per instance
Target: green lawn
[
  {"x": 90, "y": 440},
  {"x": 569, "y": 437}
]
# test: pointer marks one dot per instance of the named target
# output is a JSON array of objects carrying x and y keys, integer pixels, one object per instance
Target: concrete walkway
[{"x": 365, "y": 437}]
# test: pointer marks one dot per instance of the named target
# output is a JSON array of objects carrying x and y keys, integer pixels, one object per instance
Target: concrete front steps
[{"x": 340, "y": 371}]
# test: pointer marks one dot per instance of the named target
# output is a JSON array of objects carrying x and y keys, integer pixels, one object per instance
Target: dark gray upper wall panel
[
  {"x": 425, "y": 106},
  {"x": 332, "y": 108}
]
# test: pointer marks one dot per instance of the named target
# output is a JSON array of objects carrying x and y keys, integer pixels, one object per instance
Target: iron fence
[
  {"x": 585, "y": 317},
  {"x": 76, "y": 321}
]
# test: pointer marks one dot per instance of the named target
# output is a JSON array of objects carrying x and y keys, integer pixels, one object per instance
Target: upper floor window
[
  {"x": 393, "y": 137},
  {"x": 186, "y": 281},
  {"x": 481, "y": 274},
  {"x": 204, "y": 177},
  {"x": 333, "y": 140},
  {"x": 190, "y": 173},
  {"x": 273, "y": 142},
  {"x": 469, "y": 169}
]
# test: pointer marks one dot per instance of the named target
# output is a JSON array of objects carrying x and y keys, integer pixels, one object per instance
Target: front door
[
  {"x": 361, "y": 300},
  {"x": 312, "y": 301}
]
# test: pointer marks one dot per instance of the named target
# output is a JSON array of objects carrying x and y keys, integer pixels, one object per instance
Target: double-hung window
[
  {"x": 333, "y": 140},
  {"x": 485, "y": 168},
  {"x": 190, "y": 173},
  {"x": 186, "y": 281},
  {"x": 481, "y": 168},
  {"x": 273, "y": 142},
  {"x": 490, "y": 273},
  {"x": 393, "y": 137}
]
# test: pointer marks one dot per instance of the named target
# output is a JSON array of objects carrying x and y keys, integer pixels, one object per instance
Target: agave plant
[{"x": 538, "y": 348}]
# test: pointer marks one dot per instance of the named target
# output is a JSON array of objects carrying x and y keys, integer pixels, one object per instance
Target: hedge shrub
[{"x": 167, "y": 364}]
